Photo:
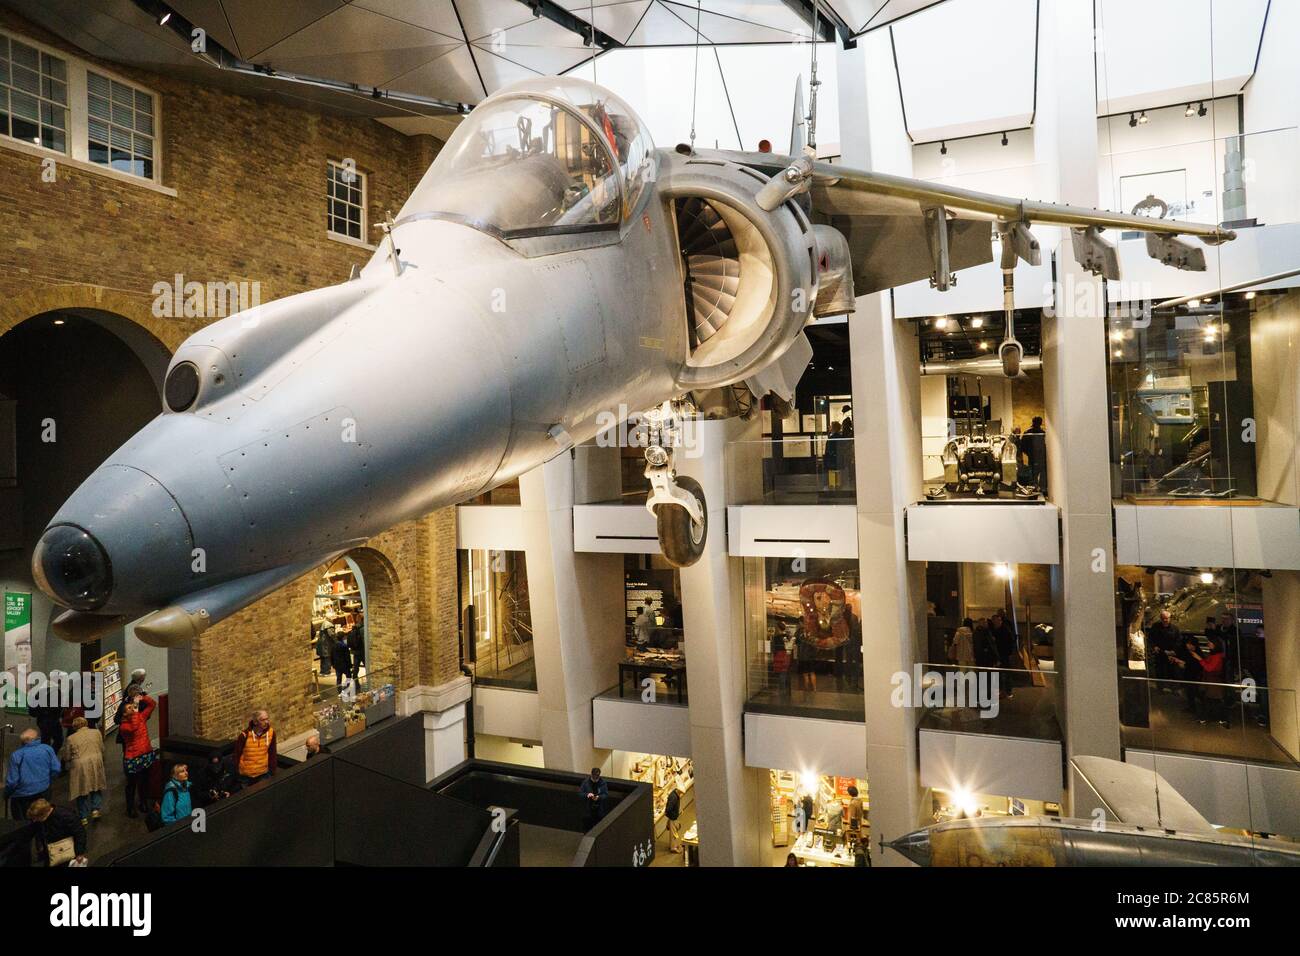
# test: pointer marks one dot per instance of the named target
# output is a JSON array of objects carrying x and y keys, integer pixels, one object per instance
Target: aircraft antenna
[
  {"x": 695, "y": 86},
  {"x": 813, "y": 83}
]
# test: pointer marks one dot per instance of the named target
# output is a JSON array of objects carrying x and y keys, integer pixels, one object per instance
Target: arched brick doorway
[
  {"x": 370, "y": 592},
  {"x": 75, "y": 384}
]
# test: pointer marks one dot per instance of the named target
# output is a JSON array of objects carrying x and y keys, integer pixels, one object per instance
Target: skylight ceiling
[
  {"x": 967, "y": 67},
  {"x": 1164, "y": 52}
]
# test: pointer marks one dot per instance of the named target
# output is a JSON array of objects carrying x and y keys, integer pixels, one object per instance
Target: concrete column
[
  {"x": 576, "y": 601},
  {"x": 730, "y": 816},
  {"x": 893, "y": 589},
  {"x": 1076, "y": 403},
  {"x": 887, "y": 433}
]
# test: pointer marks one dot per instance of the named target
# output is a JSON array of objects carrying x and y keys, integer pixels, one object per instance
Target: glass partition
[
  {"x": 1003, "y": 701},
  {"x": 803, "y": 637},
  {"x": 496, "y": 622},
  {"x": 1203, "y": 399},
  {"x": 653, "y": 668},
  {"x": 816, "y": 468}
]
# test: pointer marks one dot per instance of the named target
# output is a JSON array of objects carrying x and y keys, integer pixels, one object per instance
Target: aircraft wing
[
  {"x": 1140, "y": 797},
  {"x": 891, "y": 225}
]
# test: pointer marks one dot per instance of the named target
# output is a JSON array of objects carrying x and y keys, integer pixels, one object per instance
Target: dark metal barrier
[
  {"x": 365, "y": 805},
  {"x": 550, "y": 798}
]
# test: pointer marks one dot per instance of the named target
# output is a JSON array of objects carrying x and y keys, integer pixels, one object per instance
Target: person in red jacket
[
  {"x": 1214, "y": 694},
  {"x": 137, "y": 751}
]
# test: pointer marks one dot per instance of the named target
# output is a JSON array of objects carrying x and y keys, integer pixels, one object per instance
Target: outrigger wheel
[{"x": 681, "y": 537}]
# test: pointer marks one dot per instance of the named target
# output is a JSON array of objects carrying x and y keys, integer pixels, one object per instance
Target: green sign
[{"x": 18, "y": 648}]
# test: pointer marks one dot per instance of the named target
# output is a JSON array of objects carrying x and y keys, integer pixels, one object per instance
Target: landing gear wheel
[{"x": 680, "y": 538}]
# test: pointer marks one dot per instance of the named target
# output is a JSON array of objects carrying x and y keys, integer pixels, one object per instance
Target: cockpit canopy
[{"x": 549, "y": 155}]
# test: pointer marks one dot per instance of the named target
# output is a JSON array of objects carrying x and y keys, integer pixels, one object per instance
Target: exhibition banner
[{"x": 18, "y": 647}]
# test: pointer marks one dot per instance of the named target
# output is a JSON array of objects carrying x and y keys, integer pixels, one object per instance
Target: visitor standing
[{"x": 83, "y": 753}]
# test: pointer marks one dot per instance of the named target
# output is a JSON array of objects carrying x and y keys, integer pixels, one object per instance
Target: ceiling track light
[
  {"x": 943, "y": 148},
  {"x": 1004, "y": 139},
  {"x": 1201, "y": 110},
  {"x": 1132, "y": 120},
  {"x": 1190, "y": 111},
  {"x": 1143, "y": 118}
]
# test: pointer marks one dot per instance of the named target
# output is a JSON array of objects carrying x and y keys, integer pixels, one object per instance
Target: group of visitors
[
  {"x": 60, "y": 833},
  {"x": 1201, "y": 666},
  {"x": 988, "y": 642},
  {"x": 342, "y": 651}
]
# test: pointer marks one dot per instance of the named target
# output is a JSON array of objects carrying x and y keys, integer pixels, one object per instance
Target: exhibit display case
[
  {"x": 1203, "y": 400},
  {"x": 803, "y": 637}
]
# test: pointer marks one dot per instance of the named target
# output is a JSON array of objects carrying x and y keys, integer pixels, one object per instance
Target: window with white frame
[
  {"x": 345, "y": 203},
  {"x": 33, "y": 95},
  {"x": 119, "y": 126},
  {"x": 52, "y": 101}
]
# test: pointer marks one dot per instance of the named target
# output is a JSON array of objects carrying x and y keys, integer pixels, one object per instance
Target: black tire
[{"x": 677, "y": 533}]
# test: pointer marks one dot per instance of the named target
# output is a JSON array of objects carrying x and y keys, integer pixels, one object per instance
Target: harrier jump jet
[{"x": 552, "y": 265}]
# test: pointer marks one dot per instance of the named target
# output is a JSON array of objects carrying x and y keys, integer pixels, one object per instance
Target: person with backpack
[
  {"x": 673, "y": 810},
  {"x": 176, "y": 801}
]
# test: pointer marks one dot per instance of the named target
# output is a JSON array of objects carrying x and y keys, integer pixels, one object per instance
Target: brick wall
[{"x": 250, "y": 182}]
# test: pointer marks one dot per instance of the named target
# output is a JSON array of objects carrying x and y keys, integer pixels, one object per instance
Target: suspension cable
[{"x": 695, "y": 87}]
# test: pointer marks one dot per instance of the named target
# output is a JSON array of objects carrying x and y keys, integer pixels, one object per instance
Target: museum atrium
[{"x": 846, "y": 424}]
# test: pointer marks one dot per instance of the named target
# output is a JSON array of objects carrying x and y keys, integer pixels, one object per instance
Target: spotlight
[
  {"x": 1190, "y": 111},
  {"x": 1117, "y": 353},
  {"x": 58, "y": 321},
  {"x": 984, "y": 345},
  {"x": 943, "y": 148},
  {"x": 1143, "y": 118},
  {"x": 1249, "y": 296},
  {"x": 1004, "y": 139},
  {"x": 1132, "y": 120},
  {"x": 977, "y": 322},
  {"x": 965, "y": 801},
  {"x": 162, "y": 20},
  {"x": 1193, "y": 303},
  {"x": 1207, "y": 577},
  {"x": 1003, "y": 571},
  {"x": 1201, "y": 110},
  {"x": 941, "y": 322}
]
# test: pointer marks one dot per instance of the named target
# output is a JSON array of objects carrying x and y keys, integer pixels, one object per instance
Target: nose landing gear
[{"x": 682, "y": 521}]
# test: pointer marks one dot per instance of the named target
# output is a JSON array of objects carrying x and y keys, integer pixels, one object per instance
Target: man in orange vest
[{"x": 255, "y": 749}]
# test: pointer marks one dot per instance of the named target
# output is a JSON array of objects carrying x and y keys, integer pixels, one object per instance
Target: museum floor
[{"x": 1174, "y": 728}]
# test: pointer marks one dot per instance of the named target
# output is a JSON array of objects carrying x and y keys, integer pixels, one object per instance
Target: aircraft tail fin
[{"x": 1139, "y": 796}]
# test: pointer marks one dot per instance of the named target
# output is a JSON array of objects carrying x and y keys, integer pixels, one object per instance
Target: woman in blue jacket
[{"x": 176, "y": 803}]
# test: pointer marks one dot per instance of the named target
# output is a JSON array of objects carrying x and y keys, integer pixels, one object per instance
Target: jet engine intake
[{"x": 751, "y": 275}]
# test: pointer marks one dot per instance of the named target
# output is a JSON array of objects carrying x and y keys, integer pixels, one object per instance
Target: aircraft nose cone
[{"x": 72, "y": 568}]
